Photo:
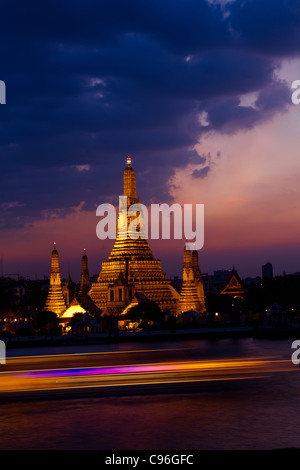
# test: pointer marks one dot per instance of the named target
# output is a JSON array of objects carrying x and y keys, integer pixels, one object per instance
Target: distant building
[
  {"x": 219, "y": 279},
  {"x": 252, "y": 281},
  {"x": 267, "y": 271}
]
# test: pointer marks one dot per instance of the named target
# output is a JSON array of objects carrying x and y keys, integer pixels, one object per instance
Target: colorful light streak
[
  {"x": 139, "y": 374},
  {"x": 97, "y": 371},
  {"x": 143, "y": 368}
]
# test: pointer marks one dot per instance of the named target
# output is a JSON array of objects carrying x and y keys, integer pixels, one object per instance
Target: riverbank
[{"x": 153, "y": 335}]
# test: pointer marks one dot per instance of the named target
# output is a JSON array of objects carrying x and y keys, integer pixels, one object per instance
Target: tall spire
[
  {"x": 129, "y": 185},
  {"x": 131, "y": 270},
  {"x": 128, "y": 245},
  {"x": 55, "y": 300},
  {"x": 69, "y": 289},
  {"x": 195, "y": 264},
  {"x": 85, "y": 277},
  {"x": 198, "y": 279},
  {"x": 189, "y": 294}
]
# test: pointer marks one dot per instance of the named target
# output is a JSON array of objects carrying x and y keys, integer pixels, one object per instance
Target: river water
[{"x": 264, "y": 414}]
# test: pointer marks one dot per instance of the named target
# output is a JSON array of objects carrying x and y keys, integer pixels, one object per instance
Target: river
[{"x": 262, "y": 414}]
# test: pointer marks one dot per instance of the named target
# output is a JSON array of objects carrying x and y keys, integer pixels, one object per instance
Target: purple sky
[{"x": 198, "y": 92}]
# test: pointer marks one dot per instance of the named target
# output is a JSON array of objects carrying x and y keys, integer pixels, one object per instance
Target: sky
[{"x": 197, "y": 92}]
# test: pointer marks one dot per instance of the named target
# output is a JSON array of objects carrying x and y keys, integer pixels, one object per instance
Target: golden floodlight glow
[
  {"x": 72, "y": 310},
  {"x": 128, "y": 160}
]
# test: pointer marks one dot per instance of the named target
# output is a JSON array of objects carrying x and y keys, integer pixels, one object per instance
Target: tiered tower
[
  {"x": 84, "y": 277},
  {"x": 55, "y": 300},
  {"x": 198, "y": 279},
  {"x": 192, "y": 293},
  {"x": 69, "y": 290},
  {"x": 131, "y": 267}
]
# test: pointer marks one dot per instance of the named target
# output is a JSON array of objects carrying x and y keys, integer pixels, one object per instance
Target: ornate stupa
[
  {"x": 192, "y": 293},
  {"x": 198, "y": 280},
  {"x": 69, "y": 290},
  {"x": 55, "y": 300},
  {"x": 84, "y": 277},
  {"x": 131, "y": 267}
]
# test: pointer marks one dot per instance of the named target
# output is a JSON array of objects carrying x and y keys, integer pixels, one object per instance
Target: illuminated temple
[
  {"x": 129, "y": 276},
  {"x": 131, "y": 268}
]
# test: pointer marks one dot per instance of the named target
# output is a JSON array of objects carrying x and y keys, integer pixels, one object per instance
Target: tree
[
  {"x": 146, "y": 312},
  {"x": 46, "y": 322}
]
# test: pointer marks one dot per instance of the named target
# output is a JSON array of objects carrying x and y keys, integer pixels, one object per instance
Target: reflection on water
[
  {"x": 227, "y": 347},
  {"x": 262, "y": 415}
]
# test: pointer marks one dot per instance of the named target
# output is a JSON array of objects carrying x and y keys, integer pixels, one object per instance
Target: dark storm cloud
[
  {"x": 227, "y": 115},
  {"x": 89, "y": 83},
  {"x": 201, "y": 173},
  {"x": 271, "y": 27},
  {"x": 183, "y": 25}
]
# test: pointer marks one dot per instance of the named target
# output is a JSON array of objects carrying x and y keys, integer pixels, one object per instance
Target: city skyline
[{"x": 199, "y": 95}]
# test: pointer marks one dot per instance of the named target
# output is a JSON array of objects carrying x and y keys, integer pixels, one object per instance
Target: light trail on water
[{"x": 138, "y": 374}]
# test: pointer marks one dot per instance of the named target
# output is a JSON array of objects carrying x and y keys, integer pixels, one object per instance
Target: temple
[
  {"x": 234, "y": 286},
  {"x": 130, "y": 275},
  {"x": 131, "y": 267}
]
